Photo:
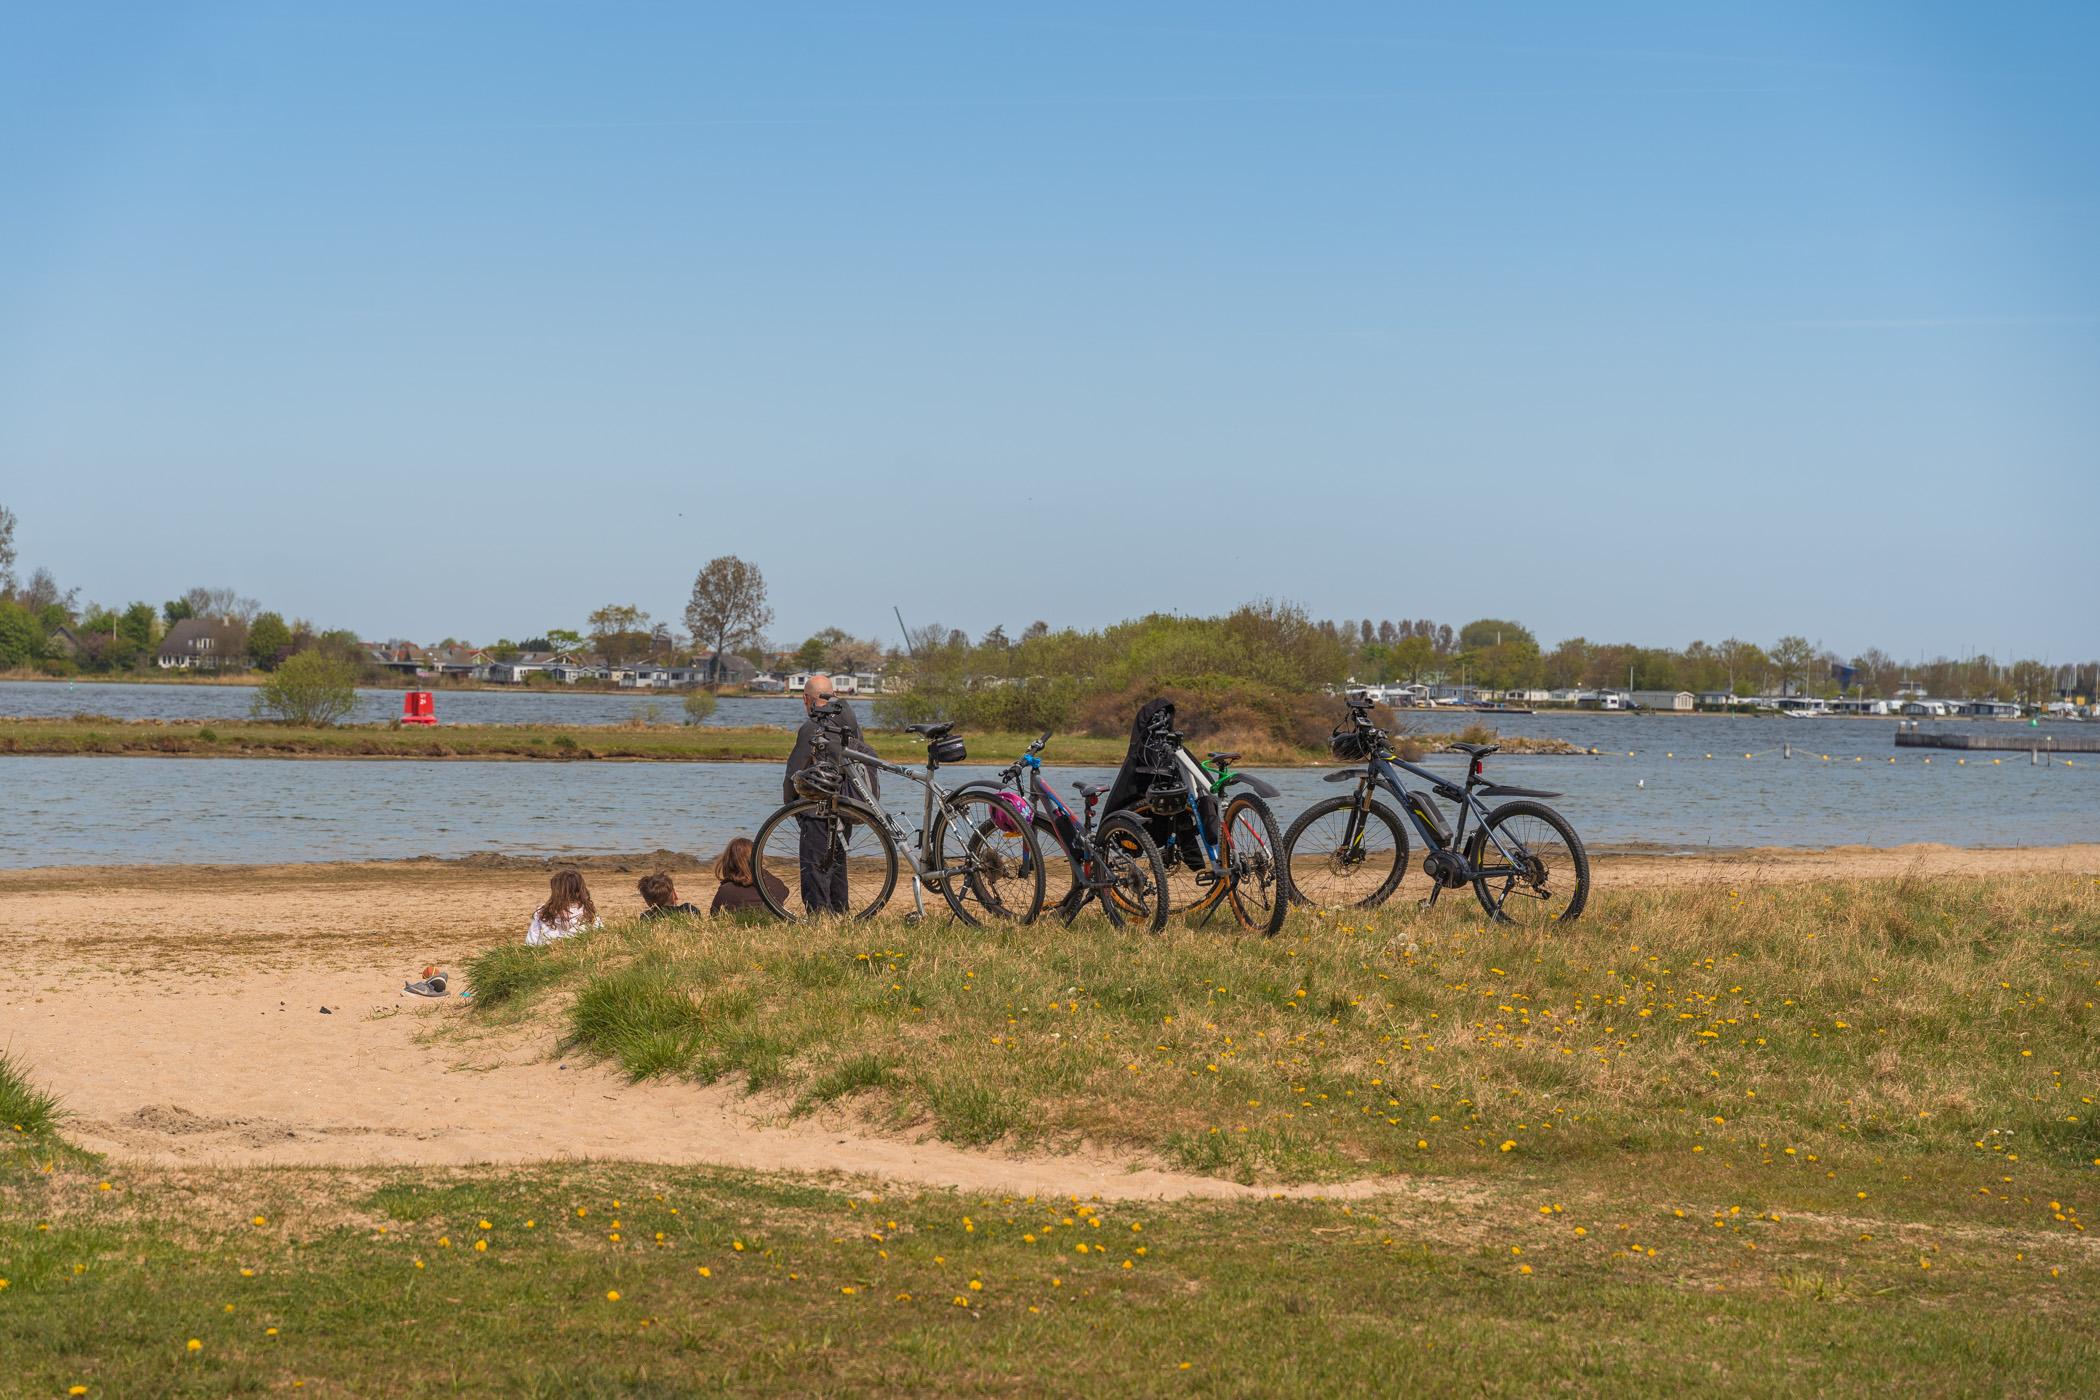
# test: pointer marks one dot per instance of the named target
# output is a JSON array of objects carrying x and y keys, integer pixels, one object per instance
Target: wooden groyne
[{"x": 2014, "y": 742}]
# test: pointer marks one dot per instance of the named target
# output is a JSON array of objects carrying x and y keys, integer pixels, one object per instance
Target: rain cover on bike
[{"x": 1145, "y": 752}]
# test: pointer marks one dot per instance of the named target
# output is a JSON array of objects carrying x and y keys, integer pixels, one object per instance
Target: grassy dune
[
  {"x": 1778, "y": 1029},
  {"x": 1827, "y": 1139}
]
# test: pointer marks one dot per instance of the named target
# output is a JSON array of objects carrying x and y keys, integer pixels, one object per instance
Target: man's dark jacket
[{"x": 847, "y": 724}]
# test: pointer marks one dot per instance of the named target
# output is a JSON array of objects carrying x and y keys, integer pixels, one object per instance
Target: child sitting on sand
[
  {"x": 568, "y": 909},
  {"x": 738, "y": 892},
  {"x": 662, "y": 898}
]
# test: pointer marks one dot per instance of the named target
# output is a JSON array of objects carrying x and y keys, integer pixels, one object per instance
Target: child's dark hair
[{"x": 658, "y": 891}]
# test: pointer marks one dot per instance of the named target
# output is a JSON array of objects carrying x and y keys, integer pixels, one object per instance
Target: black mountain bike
[
  {"x": 1116, "y": 862},
  {"x": 1525, "y": 863}
]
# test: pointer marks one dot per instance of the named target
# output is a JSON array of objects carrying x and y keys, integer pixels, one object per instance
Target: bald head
[{"x": 816, "y": 691}]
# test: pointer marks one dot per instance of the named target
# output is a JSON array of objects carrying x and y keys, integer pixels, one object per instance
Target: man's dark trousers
[{"x": 823, "y": 890}]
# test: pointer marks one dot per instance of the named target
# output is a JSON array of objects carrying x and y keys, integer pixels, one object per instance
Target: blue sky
[{"x": 1647, "y": 322}]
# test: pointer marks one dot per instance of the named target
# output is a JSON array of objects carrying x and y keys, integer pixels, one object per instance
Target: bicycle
[
  {"x": 967, "y": 844},
  {"x": 1230, "y": 857},
  {"x": 1352, "y": 852},
  {"x": 1116, "y": 862}
]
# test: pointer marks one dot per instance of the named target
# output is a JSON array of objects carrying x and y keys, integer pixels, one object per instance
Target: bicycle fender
[
  {"x": 1264, "y": 789},
  {"x": 1497, "y": 790}
]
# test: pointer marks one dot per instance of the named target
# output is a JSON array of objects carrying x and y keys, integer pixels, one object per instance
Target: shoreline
[
  {"x": 548, "y": 743},
  {"x": 1627, "y": 866}
]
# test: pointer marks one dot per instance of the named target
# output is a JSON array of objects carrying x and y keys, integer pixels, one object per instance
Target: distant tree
[
  {"x": 1413, "y": 657},
  {"x": 699, "y": 704},
  {"x": 958, "y": 640},
  {"x": 176, "y": 610},
  {"x": 1792, "y": 657},
  {"x": 1366, "y": 633},
  {"x": 311, "y": 688},
  {"x": 1445, "y": 640},
  {"x": 1738, "y": 659},
  {"x": 7, "y": 552},
  {"x": 1388, "y": 633},
  {"x": 137, "y": 624},
  {"x": 223, "y": 604},
  {"x": 810, "y": 655},
  {"x": 557, "y": 639},
  {"x": 1493, "y": 631},
  {"x": 21, "y": 638},
  {"x": 1035, "y": 631},
  {"x": 620, "y": 631},
  {"x": 44, "y": 598},
  {"x": 727, "y": 609},
  {"x": 267, "y": 637},
  {"x": 995, "y": 640}
]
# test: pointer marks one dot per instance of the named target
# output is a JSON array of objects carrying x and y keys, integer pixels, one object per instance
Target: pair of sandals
[{"x": 432, "y": 986}]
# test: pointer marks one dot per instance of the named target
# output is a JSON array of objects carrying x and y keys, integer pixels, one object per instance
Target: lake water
[
  {"x": 91, "y": 810},
  {"x": 174, "y": 701}
]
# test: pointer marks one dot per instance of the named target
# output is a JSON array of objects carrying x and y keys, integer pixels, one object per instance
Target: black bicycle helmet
[
  {"x": 1351, "y": 744},
  {"x": 819, "y": 782}
]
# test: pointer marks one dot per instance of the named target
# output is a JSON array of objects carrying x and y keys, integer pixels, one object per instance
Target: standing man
[{"x": 823, "y": 890}]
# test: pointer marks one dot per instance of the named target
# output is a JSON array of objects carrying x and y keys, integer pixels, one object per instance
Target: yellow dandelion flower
[
  {"x": 612, "y": 1295},
  {"x": 194, "y": 1345},
  {"x": 705, "y": 1272}
]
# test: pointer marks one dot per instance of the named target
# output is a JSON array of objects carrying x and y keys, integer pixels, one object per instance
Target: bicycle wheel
[
  {"x": 1332, "y": 867},
  {"x": 1549, "y": 878},
  {"x": 994, "y": 865},
  {"x": 1254, "y": 856},
  {"x": 850, "y": 866},
  {"x": 1061, "y": 888},
  {"x": 1194, "y": 891},
  {"x": 1137, "y": 891}
]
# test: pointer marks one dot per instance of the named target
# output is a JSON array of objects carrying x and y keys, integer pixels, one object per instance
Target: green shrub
[
  {"x": 698, "y": 706},
  {"x": 511, "y": 972},
  {"x": 309, "y": 689}
]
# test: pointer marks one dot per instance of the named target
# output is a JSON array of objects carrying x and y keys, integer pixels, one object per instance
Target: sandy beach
[{"x": 254, "y": 1016}]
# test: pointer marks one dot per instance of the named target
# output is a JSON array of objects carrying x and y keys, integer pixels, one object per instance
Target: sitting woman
[
  {"x": 738, "y": 893},
  {"x": 662, "y": 898},
  {"x": 568, "y": 909}
]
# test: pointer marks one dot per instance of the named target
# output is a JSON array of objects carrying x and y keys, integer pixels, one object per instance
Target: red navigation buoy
[{"x": 419, "y": 707}]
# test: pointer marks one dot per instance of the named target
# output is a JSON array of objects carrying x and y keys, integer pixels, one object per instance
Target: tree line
[{"x": 1263, "y": 644}]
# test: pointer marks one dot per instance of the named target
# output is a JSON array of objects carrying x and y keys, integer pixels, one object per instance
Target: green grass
[
  {"x": 25, "y": 1111},
  {"x": 1777, "y": 1027},
  {"x": 1638, "y": 1282},
  {"x": 1861, "y": 1167}
]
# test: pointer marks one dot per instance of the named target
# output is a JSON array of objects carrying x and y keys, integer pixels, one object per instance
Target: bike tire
[
  {"x": 1313, "y": 860},
  {"x": 1005, "y": 866},
  {"x": 1139, "y": 894},
  {"x": 1253, "y": 851},
  {"x": 770, "y": 859},
  {"x": 1554, "y": 849},
  {"x": 1061, "y": 880}
]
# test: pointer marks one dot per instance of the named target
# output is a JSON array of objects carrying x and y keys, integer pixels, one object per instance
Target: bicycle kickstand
[{"x": 918, "y": 902}]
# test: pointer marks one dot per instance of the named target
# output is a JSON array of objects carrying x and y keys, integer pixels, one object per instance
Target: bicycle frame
[
  {"x": 918, "y": 854},
  {"x": 1382, "y": 771}
]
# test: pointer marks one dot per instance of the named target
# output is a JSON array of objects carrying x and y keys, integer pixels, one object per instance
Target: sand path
[{"x": 179, "y": 1013}]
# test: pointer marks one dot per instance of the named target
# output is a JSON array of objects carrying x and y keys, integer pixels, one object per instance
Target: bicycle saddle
[
  {"x": 1089, "y": 791},
  {"x": 1222, "y": 758},
  {"x": 1477, "y": 750},
  {"x": 932, "y": 731}
]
